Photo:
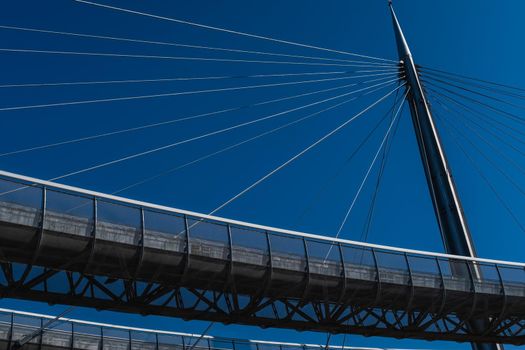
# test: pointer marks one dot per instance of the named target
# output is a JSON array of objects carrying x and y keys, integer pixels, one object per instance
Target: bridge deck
[
  {"x": 173, "y": 263},
  {"x": 82, "y": 335}
]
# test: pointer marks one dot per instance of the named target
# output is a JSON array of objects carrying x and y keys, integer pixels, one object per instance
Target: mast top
[{"x": 402, "y": 46}]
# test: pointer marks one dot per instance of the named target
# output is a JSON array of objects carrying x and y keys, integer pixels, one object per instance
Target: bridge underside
[{"x": 66, "y": 249}]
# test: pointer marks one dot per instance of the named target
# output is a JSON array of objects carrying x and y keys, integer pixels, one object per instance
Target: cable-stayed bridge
[{"x": 68, "y": 245}]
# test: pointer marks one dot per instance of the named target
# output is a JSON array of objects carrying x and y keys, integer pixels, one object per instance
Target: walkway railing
[
  {"x": 116, "y": 253},
  {"x": 68, "y": 333},
  {"x": 95, "y": 207}
]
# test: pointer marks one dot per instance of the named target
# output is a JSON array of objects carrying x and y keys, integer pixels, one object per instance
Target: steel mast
[{"x": 447, "y": 205}]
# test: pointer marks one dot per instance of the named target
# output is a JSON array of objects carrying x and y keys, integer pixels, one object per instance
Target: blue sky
[{"x": 475, "y": 38}]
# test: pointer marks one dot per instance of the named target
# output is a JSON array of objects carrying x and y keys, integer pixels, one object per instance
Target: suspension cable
[
  {"x": 202, "y": 136},
  {"x": 171, "y": 121},
  {"x": 184, "y": 58},
  {"x": 222, "y": 150},
  {"x": 173, "y": 44},
  {"x": 393, "y": 69},
  {"x": 224, "y": 30},
  {"x": 382, "y": 166},
  {"x": 487, "y": 158},
  {"x": 328, "y": 336},
  {"x": 160, "y": 80},
  {"x": 434, "y": 75},
  {"x": 471, "y": 78},
  {"x": 19, "y": 344},
  {"x": 434, "y": 80},
  {"x": 484, "y": 116},
  {"x": 298, "y": 155},
  {"x": 480, "y": 103},
  {"x": 170, "y": 94},
  {"x": 365, "y": 178},
  {"x": 491, "y": 145},
  {"x": 347, "y": 161},
  {"x": 482, "y": 127},
  {"x": 482, "y": 175}
]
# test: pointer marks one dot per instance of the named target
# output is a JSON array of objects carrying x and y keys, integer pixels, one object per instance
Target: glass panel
[
  {"x": 87, "y": 337},
  {"x": 512, "y": 275},
  {"x": 456, "y": 274},
  {"x": 514, "y": 280},
  {"x": 445, "y": 267},
  {"x": 116, "y": 339},
  {"x": 69, "y": 213},
  {"x": 287, "y": 252},
  {"x": 325, "y": 258},
  {"x": 118, "y": 214},
  {"x": 221, "y": 344},
  {"x": 249, "y": 246},
  {"x": 198, "y": 344},
  {"x": 164, "y": 223},
  {"x": 5, "y": 325},
  {"x": 245, "y": 345},
  {"x": 143, "y": 340},
  {"x": 208, "y": 239},
  {"x": 486, "y": 278},
  {"x": 170, "y": 342},
  {"x": 425, "y": 271},
  {"x": 269, "y": 347},
  {"x": 423, "y": 265},
  {"x": 359, "y": 263},
  {"x": 20, "y": 204},
  {"x": 16, "y": 193},
  {"x": 58, "y": 335},
  {"x": 71, "y": 204},
  {"x": 164, "y": 231},
  {"x": 25, "y": 325},
  {"x": 118, "y": 223},
  {"x": 393, "y": 267},
  {"x": 487, "y": 272}
]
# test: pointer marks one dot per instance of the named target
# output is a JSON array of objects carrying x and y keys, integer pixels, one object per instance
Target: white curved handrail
[{"x": 327, "y": 239}]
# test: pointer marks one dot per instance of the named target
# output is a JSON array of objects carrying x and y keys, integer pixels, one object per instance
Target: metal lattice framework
[{"x": 71, "y": 246}]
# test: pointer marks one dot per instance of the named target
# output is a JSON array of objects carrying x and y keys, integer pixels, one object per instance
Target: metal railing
[
  {"x": 134, "y": 253},
  {"x": 68, "y": 333},
  {"x": 316, "y": 253}
]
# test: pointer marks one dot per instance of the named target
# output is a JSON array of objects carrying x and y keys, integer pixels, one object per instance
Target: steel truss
[{"x": 435, "y": 322}]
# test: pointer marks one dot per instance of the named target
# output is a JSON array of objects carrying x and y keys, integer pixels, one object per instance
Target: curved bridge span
[
  {"x": 67, "y": 333},
  {"x": 61, "y": 244}
]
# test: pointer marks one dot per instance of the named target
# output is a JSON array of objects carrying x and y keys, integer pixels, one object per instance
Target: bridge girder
[{"x": 436, "y": 322}]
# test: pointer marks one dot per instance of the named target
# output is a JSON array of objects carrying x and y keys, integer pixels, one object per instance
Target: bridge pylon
[{"x": 445, "y": 198}]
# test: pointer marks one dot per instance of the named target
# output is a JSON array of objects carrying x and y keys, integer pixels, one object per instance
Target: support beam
[{"x": 447, "y": 206}]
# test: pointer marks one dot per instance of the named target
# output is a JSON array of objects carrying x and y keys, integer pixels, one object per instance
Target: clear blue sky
[{"x": 475, "y": 38}]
